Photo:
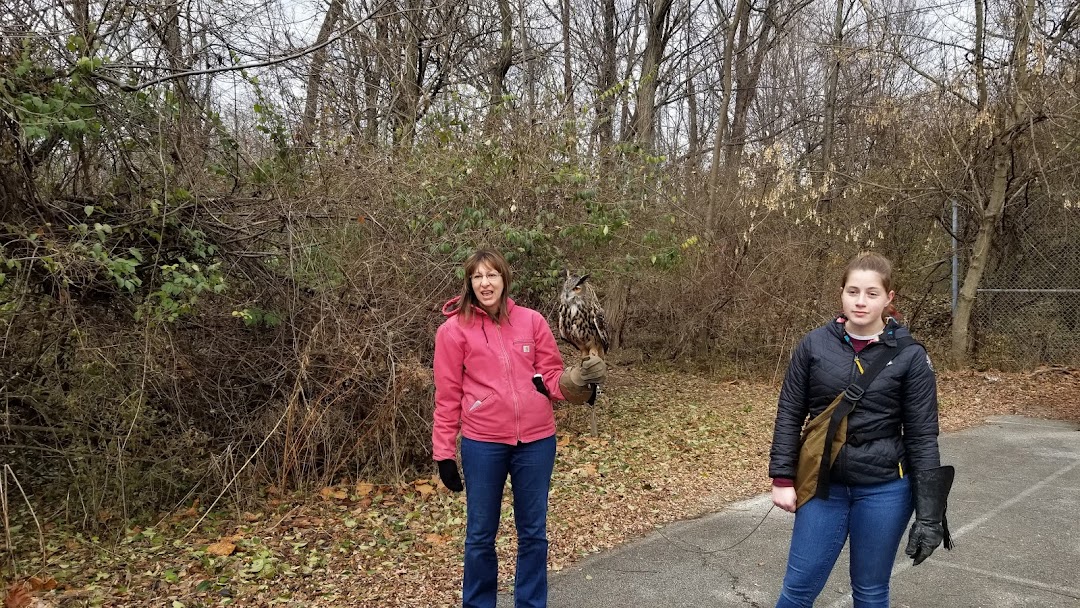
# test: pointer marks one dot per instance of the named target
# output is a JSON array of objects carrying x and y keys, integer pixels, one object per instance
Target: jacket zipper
[
  {"x": 856, "y": 371},
  {"x": 508, "y": 367}
]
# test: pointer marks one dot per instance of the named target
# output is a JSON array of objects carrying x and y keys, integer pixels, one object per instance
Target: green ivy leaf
[{"x": 34, "y": 132}]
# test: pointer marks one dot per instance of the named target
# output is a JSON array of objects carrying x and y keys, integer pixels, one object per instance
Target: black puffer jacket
[{"x": 903, "y": 396}]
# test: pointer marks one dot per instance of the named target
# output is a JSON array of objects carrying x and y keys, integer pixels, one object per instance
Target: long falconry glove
[{"x": 930, "y": 489}]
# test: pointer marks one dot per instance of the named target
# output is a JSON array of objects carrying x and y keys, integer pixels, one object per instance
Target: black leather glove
[
  {"x": 930, "y": 490},
  {"x": 448, "y": 473}
]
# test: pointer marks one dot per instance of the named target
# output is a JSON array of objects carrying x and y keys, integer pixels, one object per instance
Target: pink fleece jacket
[{"x": 483, "y": 378}]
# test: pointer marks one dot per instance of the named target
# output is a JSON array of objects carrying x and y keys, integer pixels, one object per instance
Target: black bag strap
[{"x": 852, "y": 394}]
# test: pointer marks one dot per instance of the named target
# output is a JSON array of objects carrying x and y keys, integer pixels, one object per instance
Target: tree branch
[
  {"x": 131, "y": 88},
  {"x": 911, "y": 65}
]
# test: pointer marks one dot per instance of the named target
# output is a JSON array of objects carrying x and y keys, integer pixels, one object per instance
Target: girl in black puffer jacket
[{"x": 874, "y": 483}]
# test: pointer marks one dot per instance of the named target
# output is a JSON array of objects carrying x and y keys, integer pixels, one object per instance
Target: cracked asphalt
[{"x": 1014, "y": 512}]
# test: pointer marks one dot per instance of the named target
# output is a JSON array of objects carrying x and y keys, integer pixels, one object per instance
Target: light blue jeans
[
  {"x": 486, "y": 466},
  {"x": 874, "y": 517}
]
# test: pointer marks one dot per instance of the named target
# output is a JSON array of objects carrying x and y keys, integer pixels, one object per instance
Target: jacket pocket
[
  {"x": 478, "y": 403},
  {"x": 525, "y": 350}
]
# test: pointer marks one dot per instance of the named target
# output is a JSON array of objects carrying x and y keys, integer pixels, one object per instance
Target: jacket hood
[{"x": 453, "y": 307}]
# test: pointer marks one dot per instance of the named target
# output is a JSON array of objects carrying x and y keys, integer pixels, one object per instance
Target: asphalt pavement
[{"x": 1014, "y": 513}]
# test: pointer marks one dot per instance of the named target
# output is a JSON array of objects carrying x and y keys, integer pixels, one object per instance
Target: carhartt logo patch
[{"x": 525, "y": 348}]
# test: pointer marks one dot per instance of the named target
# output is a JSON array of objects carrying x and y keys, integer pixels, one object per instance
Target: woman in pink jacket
[{"x": 487, "y": 354}]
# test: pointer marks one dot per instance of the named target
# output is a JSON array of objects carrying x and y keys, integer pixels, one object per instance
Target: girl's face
[
  {"x": 488, "y": 286},
  {"x": 864, "y": 299}
]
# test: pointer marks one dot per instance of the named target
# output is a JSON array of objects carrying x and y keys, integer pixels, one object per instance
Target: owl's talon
[{"x": 595, "y": 393}]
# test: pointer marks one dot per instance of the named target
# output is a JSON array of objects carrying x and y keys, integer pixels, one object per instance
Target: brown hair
[
  {"x": 469, "y": 302},
  {"x": 880, "y": 264}
]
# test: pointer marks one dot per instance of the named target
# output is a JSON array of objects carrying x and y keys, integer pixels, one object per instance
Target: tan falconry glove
[{"x": 575, "y": 381}]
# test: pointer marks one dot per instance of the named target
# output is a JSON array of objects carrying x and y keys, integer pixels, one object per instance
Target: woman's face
[
  {"x": 487, "y": 284},
  {"x": 864, "y": 299}
]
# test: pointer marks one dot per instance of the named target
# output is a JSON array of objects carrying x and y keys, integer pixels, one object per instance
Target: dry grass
[{"x": 672, "y": 446}]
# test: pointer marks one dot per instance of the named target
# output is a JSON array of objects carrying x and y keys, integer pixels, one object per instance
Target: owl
[{"x": 581, "y": 319}]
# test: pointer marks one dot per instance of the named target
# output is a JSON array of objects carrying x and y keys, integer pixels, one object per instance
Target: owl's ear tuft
[
  {"x": 582, "y": 280},
  {"x": 567, "y": 271}
]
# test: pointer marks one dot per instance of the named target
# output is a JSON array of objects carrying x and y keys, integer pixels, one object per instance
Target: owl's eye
[{"x": 577, "y": 289}]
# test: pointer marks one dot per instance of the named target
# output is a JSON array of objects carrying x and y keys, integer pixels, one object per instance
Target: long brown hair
[
  {"x": 868, "y": 260},
  {"x": 469, "y": 302}
]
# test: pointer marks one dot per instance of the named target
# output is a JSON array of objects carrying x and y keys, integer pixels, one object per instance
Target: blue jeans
[
  {"x": 873, "y": 516},
  {"x": 486, "y": 466}
]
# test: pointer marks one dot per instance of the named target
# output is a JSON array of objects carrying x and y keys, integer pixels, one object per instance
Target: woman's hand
[{"x": 784, "y": 498}]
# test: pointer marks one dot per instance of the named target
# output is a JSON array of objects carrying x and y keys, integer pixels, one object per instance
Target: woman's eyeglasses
[{"x": 491, "y": 277}]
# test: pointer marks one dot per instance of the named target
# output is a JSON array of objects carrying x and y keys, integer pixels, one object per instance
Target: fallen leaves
[
  {"x": 329, "y": 492},
  {"x": 18, "y": 597},
  {"x": 22, "y": 595},
  {"x": 221, "y": 548},
  {"x": 672, "y": 445}
]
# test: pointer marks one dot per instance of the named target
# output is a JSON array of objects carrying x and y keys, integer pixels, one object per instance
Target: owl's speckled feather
[{"x": 581, "y": 318}]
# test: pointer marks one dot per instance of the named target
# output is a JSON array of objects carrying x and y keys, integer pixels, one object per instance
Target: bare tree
[
  {"x": 567, "y": 66},
  {"x": 742, "y": 7},
  {"x": 836, "y": 55},
  {"x": 1011, "y": 118},
  {"x": 315, "y": 76},
  {"x": 503, "y": 61},
  {"x": 605, "y": 93},
  {"x": 658, "y": 32}
]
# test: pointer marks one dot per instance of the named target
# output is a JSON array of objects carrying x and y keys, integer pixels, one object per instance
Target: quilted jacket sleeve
[
  {"x": 920, "y": 412},
  {"x": 791, "y": 411}
]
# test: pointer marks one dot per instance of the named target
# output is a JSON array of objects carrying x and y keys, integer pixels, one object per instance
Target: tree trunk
[
  {"x": 529, "y": 64},
  {"x": 980, "y": 255},
  {"x": 632, "y": 36},
  {"x": 375, "y": 77},
  {"x": 823, "y": 177},
  {"x": 568, "y": 76},
  {"x": 569, "y": 109},
  {"x": 616, "y": 305},
  {"x": 980, "y": 56},
  {"x": 1012, "y": 121},
  {"x": 693, "y": 136},
  {"x": 504, "y": 60},
  {"x": 747, "y": 75},
  {"x": 722, "y": 119},
  {"x": 605, "y": 96},
  {"x": 407, "y": 95},
  {"x": 80, "y": 17},
  {"x": 172, "y": 42},
  {"x": 315, "y": 76},
  {"x": 644, "y": 120}
]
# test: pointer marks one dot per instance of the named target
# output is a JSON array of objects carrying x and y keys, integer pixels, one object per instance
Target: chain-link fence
[{"x": 1028, "y": 310}]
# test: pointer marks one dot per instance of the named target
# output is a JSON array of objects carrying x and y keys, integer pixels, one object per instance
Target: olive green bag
[
  {"x": 812, "y": 450},
  {"x": 826, "y": 433}
]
